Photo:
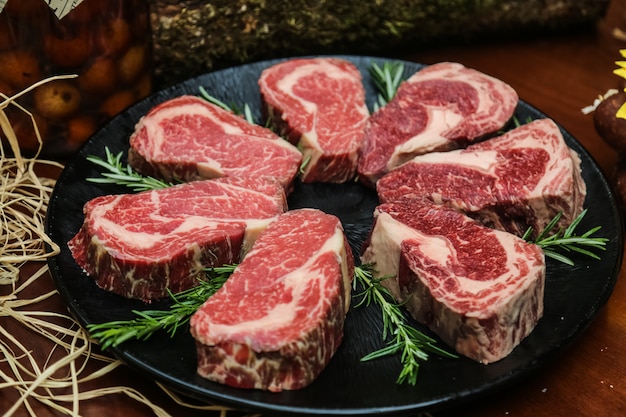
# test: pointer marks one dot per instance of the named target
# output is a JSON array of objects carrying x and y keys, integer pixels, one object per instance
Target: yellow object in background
[{"x": 621, "y": 71}]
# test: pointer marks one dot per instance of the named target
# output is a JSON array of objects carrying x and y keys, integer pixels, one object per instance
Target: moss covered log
[{"x": 193, "y": 36}]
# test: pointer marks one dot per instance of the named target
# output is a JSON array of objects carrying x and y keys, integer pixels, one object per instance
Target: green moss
[{"x": 192, "y": 37}]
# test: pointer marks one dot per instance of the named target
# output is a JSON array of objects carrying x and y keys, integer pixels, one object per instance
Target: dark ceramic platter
[{"x": 573, "y": 295}]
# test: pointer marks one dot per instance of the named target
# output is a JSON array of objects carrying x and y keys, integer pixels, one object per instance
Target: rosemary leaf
[
  {"x": 555, "y": 243},
  {"x": 208, "y": 97},
  {"x": 402, "y": 338},
  {"x": 518, "y": 123},
  {"x": 558, "y": 257},
  {"x": 246, "y": 112},
  {"x": 123, "y": 175},
  {"x": 148, "y": 322},
  {"x": 387, "y": 80},
  {"x": 304, "y": 163}
]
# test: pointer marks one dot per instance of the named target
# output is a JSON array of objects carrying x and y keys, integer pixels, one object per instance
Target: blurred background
[{"x": 121, "y": 50}]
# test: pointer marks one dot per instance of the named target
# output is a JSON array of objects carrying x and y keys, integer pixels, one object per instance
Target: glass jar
[{"x": 107, "y": 44}]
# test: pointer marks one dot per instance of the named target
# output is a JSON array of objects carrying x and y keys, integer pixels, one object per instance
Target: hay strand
[{"x": 54, "y": 382}]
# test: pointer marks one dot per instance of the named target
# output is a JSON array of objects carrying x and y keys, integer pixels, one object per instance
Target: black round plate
[{"x": 573, "y": 295}]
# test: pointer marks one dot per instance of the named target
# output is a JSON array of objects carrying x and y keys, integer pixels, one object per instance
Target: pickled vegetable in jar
[{"x": 107, "y": 44}]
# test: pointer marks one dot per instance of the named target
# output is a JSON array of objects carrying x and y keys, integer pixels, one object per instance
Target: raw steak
[
  {"x": 319, "y": 104},
  {"x": 441, "y": 107},
  {"x": 278, "y": 320},
  {"x": 142, "y": 245},
  {"x": 188, "y": 138},
  {"x": 518, "y": 180},
  {"x": 481, "y": 290}
]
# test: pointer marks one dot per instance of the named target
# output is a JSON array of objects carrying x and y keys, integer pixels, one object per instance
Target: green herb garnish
[
  {"x": 148, "y": 322},
  {"x": 566, "y": 240},
  {"x": 246, "y": 112},
  {"x": 412, "y": 345},
  {"x": 518, "y": 123},
  {"x": 387, "y": 80},
  {"x": 304, "y": 163},
  {"x": 120, "y": 175}
]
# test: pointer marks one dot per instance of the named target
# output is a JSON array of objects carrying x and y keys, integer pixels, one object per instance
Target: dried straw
[
  {"x": 55, "y": 381},
  {"x": 23, "y": 200}
]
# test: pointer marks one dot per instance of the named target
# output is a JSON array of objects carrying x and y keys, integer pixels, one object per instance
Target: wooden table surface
[{"x": 559, "y": 75}]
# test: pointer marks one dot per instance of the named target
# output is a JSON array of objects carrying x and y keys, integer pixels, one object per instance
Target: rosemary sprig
[
  {"x": 246, "y": 112},
  {"x": 123, "y": 175},
  {"x": 517, "y": 122},
  {"x": 387, "y": 80},
  {"x": 402, "y": 338},
  {"x": 566, "y": 240},
  {"x": 304, "y": 163},
  {"x": 148, "y": 322}
]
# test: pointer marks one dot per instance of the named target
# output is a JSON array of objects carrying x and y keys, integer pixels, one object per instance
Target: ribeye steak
[
  {"x": 278, "y": 320},
  {"x": 142, "y": 245},
  {"x": 441, "y": 107},
  {"x": 481, "y": 290},
  {"x": 319, "y": 103},
  {"x": 187, "y": 138},
  {"x": 518, "y": 180}
]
